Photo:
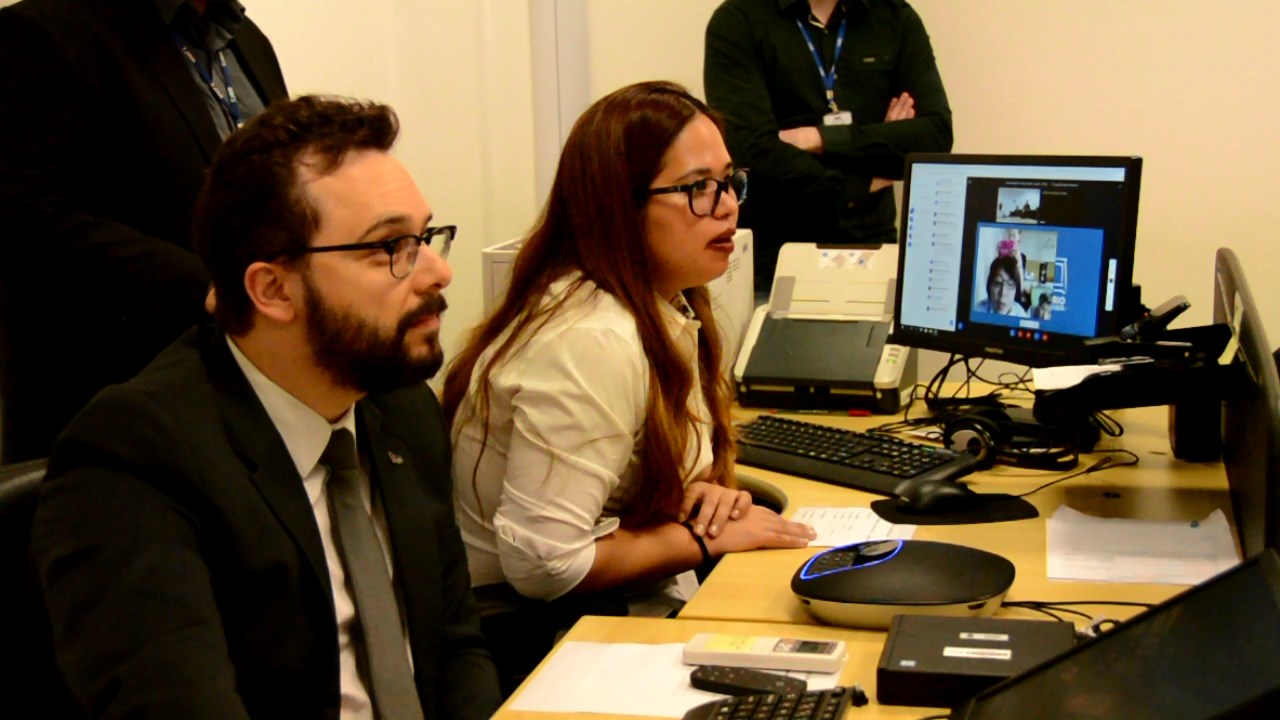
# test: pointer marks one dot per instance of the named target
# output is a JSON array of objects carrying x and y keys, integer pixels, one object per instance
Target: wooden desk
[
  {"x": 864, "y": 653},
  {"x": 749, "y": 593},
  {"x": 755, "y": 586}
]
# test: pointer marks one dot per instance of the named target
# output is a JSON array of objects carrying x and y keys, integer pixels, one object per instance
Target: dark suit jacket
[
  {"x": 104, "y": 143},
  {"x": 183, "y": 570}
]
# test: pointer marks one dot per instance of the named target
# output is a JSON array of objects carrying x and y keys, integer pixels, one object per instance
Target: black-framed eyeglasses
[
  {"x": 704, "y": 194},
  {"x": 402, "y": 249}
]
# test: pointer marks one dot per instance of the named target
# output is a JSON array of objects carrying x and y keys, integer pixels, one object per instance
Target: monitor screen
[
  {"x": 1251, "y": 419},
  {"x": 1210, "y": 652},
  {"x": 1015, "y": 257}
]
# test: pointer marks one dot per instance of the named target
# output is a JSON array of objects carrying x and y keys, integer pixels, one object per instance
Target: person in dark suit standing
[
  {"x": 113, "y": 110},
  {"x": 260, "y": 524},
  {"x": 823, "y": 100}
]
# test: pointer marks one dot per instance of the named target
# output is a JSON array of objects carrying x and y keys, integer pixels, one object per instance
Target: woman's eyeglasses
[{"x": 704, "y": 194}]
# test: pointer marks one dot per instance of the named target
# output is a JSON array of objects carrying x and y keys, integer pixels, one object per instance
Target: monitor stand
[{"x": 1074, "y": 430}]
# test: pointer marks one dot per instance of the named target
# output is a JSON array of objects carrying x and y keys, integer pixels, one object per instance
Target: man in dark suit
[
  {"x": 210, "y": 542},
  {"x": 113, "y": 110}
]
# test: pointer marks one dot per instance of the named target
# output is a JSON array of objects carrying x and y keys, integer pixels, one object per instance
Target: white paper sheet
[
  {"x": 838, "y": 526},
  {"x": 733, "y": 297},
  {"x": 624, "y": 679},
  {"x": 1083, "y": 547},
  {"x": 1065, "y": 376}
]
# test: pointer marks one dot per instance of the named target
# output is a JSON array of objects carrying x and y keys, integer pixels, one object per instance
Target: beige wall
[
  {"x": 649, "y": 40},
  {"x": 1192, "y": 87},
  {"x": 458, "y": 73},
  {"x": 1189, "y": 86}
]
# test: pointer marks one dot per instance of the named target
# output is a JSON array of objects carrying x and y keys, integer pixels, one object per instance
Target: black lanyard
[{"x": 228, "y": 100}]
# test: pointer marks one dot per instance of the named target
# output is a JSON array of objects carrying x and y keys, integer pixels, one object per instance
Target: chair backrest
[
  {"x": 28, "y": 675},
  {"x": 6, "y": 377},
  {"x": 19, "y": 491}
]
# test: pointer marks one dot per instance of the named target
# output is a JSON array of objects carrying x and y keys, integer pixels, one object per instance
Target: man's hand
[
  {"x": 902, "y": 107},
  {"x": 878, "y": 184},
  {"x": 807, "y": 139},
  {"x": 211, "y": 301}
]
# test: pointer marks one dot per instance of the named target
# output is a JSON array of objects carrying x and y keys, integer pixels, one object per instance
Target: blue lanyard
[
  {"x": 227, "y": 101},
  {"x": 828, "y": 76}
]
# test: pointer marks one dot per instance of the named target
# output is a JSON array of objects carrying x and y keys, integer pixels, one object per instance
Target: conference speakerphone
[{"x": 866, "y": 584}]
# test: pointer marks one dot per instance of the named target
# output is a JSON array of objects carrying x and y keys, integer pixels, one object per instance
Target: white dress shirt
[
  {"x": 560, "y": 454},
  {"x": 306, "y": 434}
]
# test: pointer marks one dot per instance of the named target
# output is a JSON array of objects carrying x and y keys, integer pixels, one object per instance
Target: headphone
[{"x": 989, "y": 434}]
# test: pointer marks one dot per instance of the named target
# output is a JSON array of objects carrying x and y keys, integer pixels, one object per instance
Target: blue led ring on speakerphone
[{"x": 850, "y": 557}]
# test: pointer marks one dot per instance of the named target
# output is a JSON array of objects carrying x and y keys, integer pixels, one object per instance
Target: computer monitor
[
  {"x": 1251, "y": 418},
  {"x": 1016, "y": 257},
  {"x": 1209, "y": 652}
]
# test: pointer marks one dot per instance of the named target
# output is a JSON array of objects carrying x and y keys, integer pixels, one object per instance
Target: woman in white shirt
[{"x": 589, "y": 414}]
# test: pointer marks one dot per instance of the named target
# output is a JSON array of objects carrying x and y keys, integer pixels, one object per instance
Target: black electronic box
[{"x": 938, "y": 661}]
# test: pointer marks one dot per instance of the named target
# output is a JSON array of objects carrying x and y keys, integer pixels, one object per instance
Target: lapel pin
[{"x": 395, "y": 459}]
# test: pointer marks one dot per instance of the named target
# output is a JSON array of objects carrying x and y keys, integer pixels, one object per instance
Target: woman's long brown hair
[{"x": 594, "y": 223}]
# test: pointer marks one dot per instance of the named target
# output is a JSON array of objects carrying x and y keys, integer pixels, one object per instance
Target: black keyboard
[
  {"x": 863, "y": 461},
  {"x": 812, "y": 705}
]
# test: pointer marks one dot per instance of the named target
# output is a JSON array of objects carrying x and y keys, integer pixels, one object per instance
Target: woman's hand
[
  {"x": 763, "y": 528},
  {"x": 717, "y": 505}
]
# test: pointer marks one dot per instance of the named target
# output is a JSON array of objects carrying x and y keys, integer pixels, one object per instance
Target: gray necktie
[{"x": 390, "y": 679}]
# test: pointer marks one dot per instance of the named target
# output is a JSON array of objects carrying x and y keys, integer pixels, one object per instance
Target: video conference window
[
  {"x": 1018, "y": 205},
  {"x": 1015, "y": 259},
  {"x": 1022, "y": 265},
  {"x": 1023, "y": 273}
]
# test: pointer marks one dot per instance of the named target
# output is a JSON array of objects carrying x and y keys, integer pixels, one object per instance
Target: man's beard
[{"x": 360, "y": 356}]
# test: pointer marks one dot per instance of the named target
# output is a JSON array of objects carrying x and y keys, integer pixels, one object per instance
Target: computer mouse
[{"x": 935, "y": 497}]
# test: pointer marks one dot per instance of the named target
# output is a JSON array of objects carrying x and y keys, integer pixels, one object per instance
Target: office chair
[
  {"x": 521, "y": 631},
  {"x": 6, "y": 379},
  {"x": 29, "y": 676}
]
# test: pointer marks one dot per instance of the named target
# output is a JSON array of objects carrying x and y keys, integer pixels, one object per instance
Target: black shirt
[{"x": 760, "y": 75}]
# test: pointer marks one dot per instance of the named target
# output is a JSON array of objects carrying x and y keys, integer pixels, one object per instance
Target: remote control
[
  {"x": 765, "y": 652},
  {"x": 743, "y": 681}
]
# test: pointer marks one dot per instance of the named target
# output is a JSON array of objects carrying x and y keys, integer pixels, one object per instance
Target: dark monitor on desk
[
  {"x": 1015, "y": 257},
  {"x": 1251, "y": 419},
  {"x": 1210, "y": 652}
]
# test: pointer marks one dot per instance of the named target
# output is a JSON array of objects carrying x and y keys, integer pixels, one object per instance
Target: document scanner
[{"x": 821, "y": 340}]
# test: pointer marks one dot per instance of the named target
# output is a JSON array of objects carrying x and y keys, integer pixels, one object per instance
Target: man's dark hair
[
  {"x": 1044, "y": 298},
  {"x": 1009, "y": 265},
  {"x": 252, "y": 207}
]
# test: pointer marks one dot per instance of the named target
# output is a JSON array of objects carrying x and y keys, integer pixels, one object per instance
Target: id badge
[{"x": 844, "y": 117}]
